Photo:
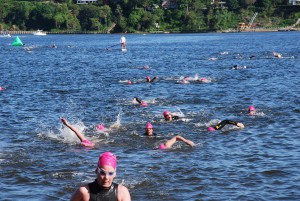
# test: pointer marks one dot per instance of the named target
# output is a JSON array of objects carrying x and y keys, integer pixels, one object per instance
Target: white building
[
  {"x": 294, "y": 2},
  {"x": 86, "y": 1}
]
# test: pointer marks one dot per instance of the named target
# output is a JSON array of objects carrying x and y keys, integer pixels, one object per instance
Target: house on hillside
[
  {"x": 169, "y": 4},
  {"x": 218, "y": 3},
  {"x": 86, "y": 1},
  {"x": 294, "y": 2}
]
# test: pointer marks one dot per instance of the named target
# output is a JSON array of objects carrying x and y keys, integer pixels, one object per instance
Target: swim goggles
[{"x": 104, "y": 173}]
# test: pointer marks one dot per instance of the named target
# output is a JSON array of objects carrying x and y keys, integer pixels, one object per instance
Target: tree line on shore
[{"x": 133, "y": 16}]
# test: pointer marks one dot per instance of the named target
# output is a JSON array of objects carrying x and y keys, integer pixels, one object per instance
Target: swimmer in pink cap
[
  {"x": 100, "y": 127},
  {"x": 84, "y": 142},
  {"x": 149, "y": 130},
  {"x": 143, "y": 103},
  {"x": 169, "y": 117},
  {"x": 251, "y": 110},
  {"x": 2, "y": 88},
  {"x": 148, "y": 79},
  {"x": 103, "y": 188},
  {"x": 169, "y": 143},
  {"x": 203, "y": 79},
  {"x": 220, "y": 125}
]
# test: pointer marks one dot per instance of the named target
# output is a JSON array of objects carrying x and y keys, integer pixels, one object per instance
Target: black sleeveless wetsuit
[
  {"x": 175, "y": 117},
  {"x": 220, "y": 125},
  {"x": 98, "y": 193},
  {"x": 153, "y": 135}
]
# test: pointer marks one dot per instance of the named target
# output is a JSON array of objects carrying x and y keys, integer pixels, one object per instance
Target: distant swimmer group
[{"x": 223, "y": 123}]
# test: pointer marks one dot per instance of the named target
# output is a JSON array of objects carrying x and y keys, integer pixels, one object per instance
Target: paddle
[{"x": 112, "y": 46}]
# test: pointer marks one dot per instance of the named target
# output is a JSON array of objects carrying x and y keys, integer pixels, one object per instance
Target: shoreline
[{"x": 278, "y": 29}]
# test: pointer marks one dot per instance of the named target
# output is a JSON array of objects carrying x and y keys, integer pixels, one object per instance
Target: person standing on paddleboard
[{"x": 123, "y": 42}]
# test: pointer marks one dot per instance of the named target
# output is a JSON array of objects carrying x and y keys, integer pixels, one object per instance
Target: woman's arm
[{"x": 75, "y": 130}]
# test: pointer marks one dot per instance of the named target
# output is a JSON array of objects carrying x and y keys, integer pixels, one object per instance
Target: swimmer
[
  {"x": 203, "y": 79},
  {"x": 103, "y": 188},
  {"x": 169, "y": 117},
  {"x": 185, "y": 80},
  {"x": 236, "y": 67},
  {"x": 123, "y": 42},
  {"x": 251, "y": 110},
  {"x": 143, "y": 103},
  {"x": 2, "y": 88},
  {"x": 277, "y": 55},
  {"x": 83, "y": 140},
  {"x": 169, "y": 143},
  {"x": 100, "y": 127},
  {"x": 149, "y": 130},
  {"x": 220, "y": 125},
  {"x": 252, "y": 57},
  {"x": 148, "y": 79}
]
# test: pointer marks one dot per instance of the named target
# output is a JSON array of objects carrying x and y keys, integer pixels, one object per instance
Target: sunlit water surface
[{"x": 85, "y": 79}]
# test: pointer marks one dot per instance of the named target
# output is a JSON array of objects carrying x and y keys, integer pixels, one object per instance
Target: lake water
[{"x": 85, "y": 79}]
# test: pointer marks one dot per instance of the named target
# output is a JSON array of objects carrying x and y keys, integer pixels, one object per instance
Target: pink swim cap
[
  {"x": 162, "y": 146},
  {"x": 203, "y": 79},
  {"x": 251, "y": 108},
  {"x": 148, "y": 125},
  {"x": 100, "y": 127},
  {"x": 211, "y": 129},
  {"x": 166, "y": 113},
  {"x": 144, "y": 104},
  {"x": 1, "y": 88},
  {"x": 107, "y": 158},
  {"x": 147, "y": 77},
  {"x": 129, "y": 82}
]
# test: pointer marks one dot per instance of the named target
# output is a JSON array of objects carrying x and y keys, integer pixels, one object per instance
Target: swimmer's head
[
  {"x": 211, "y": 129},
  {"x": 148, "y": 125},
  {"x": 251, "y": 110},
  {"x": 162, "y": 146},
  {"x": 167, "y": 116},
  {"x": 100, "y": 127},
  {"x": 129, "y": 82},
  {"x": 107, "y": 159},
  {"x": 166, "y": 113},
  {"x": 144, "y": 104}
]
